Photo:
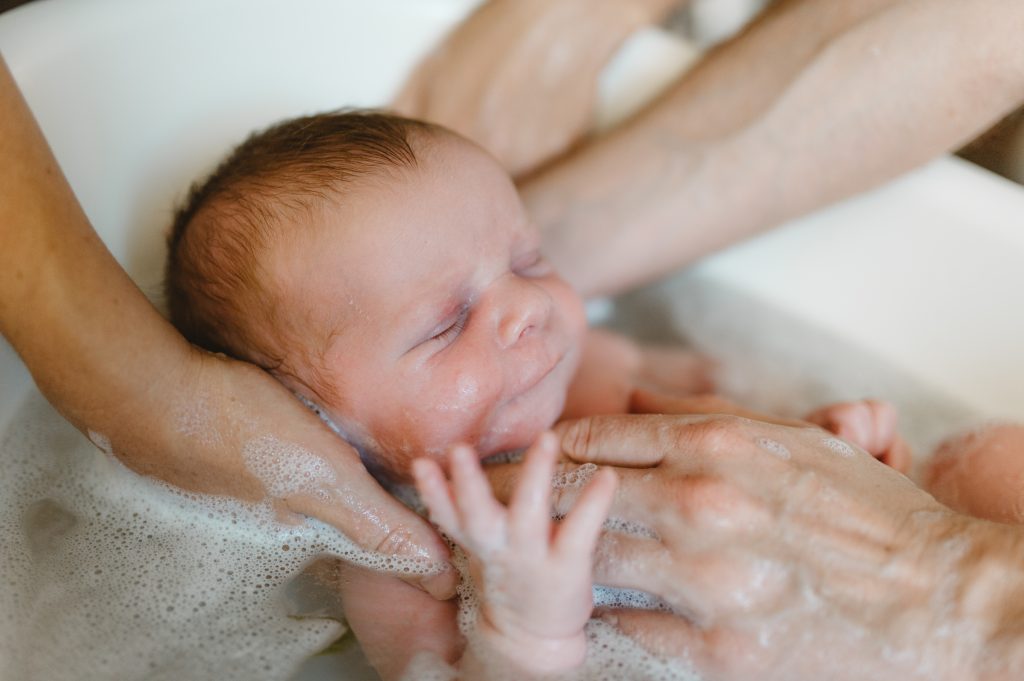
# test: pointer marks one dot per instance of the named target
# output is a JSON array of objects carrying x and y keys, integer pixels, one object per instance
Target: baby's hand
[
  {"x": 534, "y": 580},
  {"x": 869, "y": 424}
]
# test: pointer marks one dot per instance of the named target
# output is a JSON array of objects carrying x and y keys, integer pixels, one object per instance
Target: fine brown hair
[{"x": 216, "y": 290}]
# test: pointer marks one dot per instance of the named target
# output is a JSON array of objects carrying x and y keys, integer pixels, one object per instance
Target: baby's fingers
[
  {"x": 483, "y": 518},
  {"x": 578, "y": 533},
  {"x": 436, "y": 495},
  {"x": 530, "y": 508}
]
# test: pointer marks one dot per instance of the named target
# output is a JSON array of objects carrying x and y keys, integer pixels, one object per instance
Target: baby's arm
[
  {"x": 613, "y": 366},
  {"x": 534, "y": 581}
]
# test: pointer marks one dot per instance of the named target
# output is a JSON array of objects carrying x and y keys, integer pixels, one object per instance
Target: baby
[{"x": 384, "y": 269}]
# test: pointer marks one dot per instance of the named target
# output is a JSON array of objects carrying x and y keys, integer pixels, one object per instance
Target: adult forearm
[
  {"x": 817, "y": 101},
  {"x": 95, "y": 346}
]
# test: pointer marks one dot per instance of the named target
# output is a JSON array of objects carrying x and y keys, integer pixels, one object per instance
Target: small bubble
[{"x": 776, "y": 448}]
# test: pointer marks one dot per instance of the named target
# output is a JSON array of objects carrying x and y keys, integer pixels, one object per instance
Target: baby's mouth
[{"x": 534, "y": 382}]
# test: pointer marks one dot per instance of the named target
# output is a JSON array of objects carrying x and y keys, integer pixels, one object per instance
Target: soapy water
[{"x": 107, "y": 574}]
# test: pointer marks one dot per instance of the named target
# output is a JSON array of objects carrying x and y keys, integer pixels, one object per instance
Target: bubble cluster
[
  {"x": 773, "y": 447},
  {"x": 838, "y": 446},
  {"x": 630, "y": 527},
  {"x": 285, "y": 468},
  {"x": 609, "y": 597},
  {"x": 577, "y": 477}
]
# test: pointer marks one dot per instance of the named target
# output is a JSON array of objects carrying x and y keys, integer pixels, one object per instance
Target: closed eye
[{"x": 452, "y": 331}]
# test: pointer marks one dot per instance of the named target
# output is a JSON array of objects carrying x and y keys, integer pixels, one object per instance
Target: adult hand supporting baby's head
[
  {"x": 229, "y": 428},
  {"x": 793, "y": 555}
]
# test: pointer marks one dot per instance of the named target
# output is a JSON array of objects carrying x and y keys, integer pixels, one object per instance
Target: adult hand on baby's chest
[{"x": 786, "y": 551}]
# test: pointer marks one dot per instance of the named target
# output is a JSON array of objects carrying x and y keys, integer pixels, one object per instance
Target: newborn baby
[{"x": 384, "y": 269}]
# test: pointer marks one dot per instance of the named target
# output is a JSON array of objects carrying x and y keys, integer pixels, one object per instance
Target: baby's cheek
[{"x": 459, "y": 406}]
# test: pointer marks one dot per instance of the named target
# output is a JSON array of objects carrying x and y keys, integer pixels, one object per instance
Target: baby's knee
[{"x": 981, "y": 472}]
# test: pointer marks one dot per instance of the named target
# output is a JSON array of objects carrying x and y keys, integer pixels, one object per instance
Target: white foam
[
  {"x": 839, "y": 447},
  {"x": 773, "y": 447},
  {"x": 286, "y": 469},
  {"x": 630, "y": 527},
  {"x": 577, "y": 477}
]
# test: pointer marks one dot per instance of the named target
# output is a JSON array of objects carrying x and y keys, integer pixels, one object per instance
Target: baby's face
[{"x": 445, "y": 323}]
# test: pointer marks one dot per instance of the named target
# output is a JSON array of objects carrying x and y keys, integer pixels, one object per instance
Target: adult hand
[
  {"x": 519, "y": 77},
  {"x": 116, "y": 369},
  {"x": 791, "y": 555},
  {"x": 226, "y": 421}
]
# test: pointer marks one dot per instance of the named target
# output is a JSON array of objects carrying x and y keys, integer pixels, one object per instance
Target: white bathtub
[{"x": 912, "y": 293}]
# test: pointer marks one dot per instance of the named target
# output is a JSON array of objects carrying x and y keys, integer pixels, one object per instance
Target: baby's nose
[{"x": 526, "y": 309}]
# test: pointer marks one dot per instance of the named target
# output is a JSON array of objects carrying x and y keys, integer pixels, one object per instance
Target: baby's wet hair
[{"x": 215, "y": 284}]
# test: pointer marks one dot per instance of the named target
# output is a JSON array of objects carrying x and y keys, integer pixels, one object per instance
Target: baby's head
[{"x": 384, "y": 269}]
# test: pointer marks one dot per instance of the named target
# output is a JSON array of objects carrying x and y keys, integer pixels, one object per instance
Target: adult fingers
[
  {"x": 365, "y": 513},
  {"x": 620, "y": 440},
  {"x": 706, "y": 653},
  {"x": 627, "y": 561},
  {"x": 662, "y": 500},
  {"x": 688, "y": 442},
  {"x": 664, "y": 634},
  {"x": 635, "y": 500}
]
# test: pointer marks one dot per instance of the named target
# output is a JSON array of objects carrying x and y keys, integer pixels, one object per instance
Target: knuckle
[
  {"x": 718, "y": 434},
  {"x": 716, "y": 501},
  {"x": 578, "y": 438},
  {"x": 396, "y": 542}
]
